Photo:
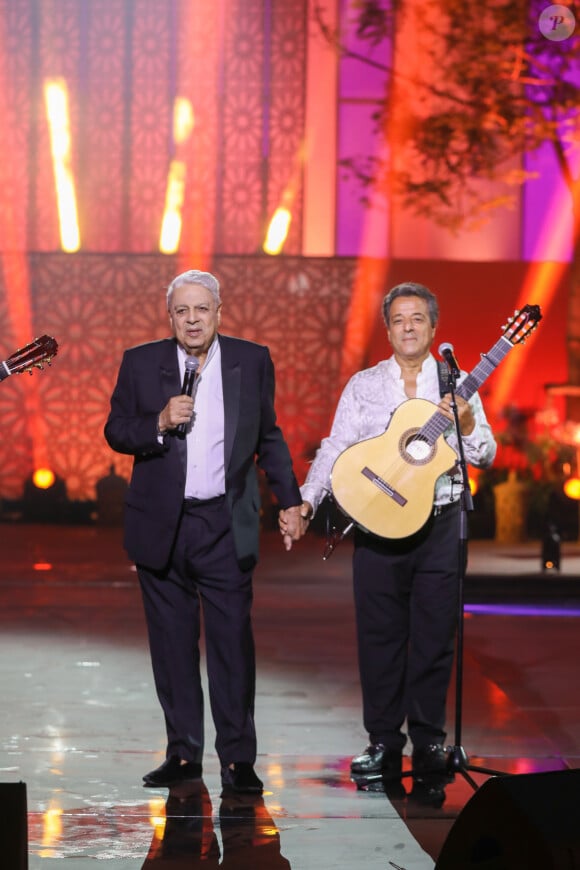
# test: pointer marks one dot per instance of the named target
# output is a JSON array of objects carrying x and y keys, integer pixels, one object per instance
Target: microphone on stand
[
  {"x": 189, "y": 379},
  {"x": 447, "y": 352}
]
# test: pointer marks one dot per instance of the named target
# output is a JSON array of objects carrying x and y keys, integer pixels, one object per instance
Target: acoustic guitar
[
  {"x": 34, "y": 355},
  {"x": 386, "y": 484}
]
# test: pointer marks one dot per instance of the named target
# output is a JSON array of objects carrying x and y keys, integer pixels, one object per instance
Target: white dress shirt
[{"x": 205, "y": 476}]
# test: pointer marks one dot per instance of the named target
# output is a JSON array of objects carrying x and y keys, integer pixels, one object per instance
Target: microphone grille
[
  {"x": 191, "y": 364},
  {"x": 446, "y": 345}
]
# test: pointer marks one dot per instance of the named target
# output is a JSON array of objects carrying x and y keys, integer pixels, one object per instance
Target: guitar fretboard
[{"x": 438, "y": 422}]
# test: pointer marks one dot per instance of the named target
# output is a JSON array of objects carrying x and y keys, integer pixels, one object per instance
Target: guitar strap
[{"x": 443, "y": 372}]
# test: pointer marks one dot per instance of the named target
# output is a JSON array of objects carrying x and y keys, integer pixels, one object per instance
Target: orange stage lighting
[
  {"x": 171, "y": 224},
  {"x": 200, "y": 24},
  {"x": 14, "y": 261},
  {"x": 43, "y": 478},
  {"x": 279, "y": 225},
  {"x": 572, "y": 488},
  {"x": 539, "y": 288},
  {"x": 58, "y": 117},
  {"x": 277, "y": 231},
  {"x": 51, "y": 830},
  {"x": 368, "y": 290}
]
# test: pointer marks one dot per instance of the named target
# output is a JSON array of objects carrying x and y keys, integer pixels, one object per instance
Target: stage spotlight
[
  {"x": 171, "y": 222},
  {"x": 58, "y": 116},
  {"x": 43, "y": 478},
  {"x": 572, "y": 488},
  {"x": 45, "y": 498},
  {"x": 277, "y": 231}
]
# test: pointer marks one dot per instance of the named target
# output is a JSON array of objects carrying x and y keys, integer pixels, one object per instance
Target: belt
[
  {"x": 193, "y": 503},
  {"x": 443, "y": 508}
]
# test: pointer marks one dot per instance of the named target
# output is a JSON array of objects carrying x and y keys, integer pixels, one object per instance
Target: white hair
[{"x": 194, "y": 276}]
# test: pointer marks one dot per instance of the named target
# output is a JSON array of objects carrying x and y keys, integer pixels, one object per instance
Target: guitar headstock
[
  {"x": 522, "y": 324},
  {"x": 34, "y": 355}
]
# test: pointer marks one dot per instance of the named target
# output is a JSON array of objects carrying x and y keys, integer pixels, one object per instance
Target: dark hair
[{"x": 410, "y": 288}]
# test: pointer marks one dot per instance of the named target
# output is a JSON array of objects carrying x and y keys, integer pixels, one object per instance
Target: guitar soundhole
[{"x": 415, "y": 448}]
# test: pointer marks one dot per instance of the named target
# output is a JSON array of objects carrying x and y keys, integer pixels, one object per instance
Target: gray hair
[
  {"x": 194, "y": 276},
  {"x": 410, "y": 288}
]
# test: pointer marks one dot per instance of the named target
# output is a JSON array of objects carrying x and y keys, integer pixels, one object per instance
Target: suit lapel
[
  {"x": 171, "y": 386},
  {"x": 169, "y": 370},
  {"x": 231, "y": 381}
]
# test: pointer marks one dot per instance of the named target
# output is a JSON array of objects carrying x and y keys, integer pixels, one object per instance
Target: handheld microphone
[
  {"x": 189, "y": 379},
  {"x": 446, "y": 351}
]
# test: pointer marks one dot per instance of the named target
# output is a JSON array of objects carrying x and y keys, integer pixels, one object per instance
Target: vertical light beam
[
  {"x": 539, "y": 288},
  {"x": 57, "y": 113},
  {"x": 171, "y": 223},
  {"x": 277, "y": 232}
]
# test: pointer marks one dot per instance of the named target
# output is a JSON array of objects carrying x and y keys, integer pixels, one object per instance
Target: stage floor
[{"x": 81, "y": 723}]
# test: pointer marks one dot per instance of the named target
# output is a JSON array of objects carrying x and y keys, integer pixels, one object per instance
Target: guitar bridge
[{"x": 384, "y": 486}]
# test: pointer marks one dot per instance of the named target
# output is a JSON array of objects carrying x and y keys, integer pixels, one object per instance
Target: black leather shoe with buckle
[{"x": 172, "y": 772}]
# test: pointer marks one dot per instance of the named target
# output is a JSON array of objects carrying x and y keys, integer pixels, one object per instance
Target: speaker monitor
[
  {"x": 13, "y": 826},
  {"x": 520, "y": 822}
]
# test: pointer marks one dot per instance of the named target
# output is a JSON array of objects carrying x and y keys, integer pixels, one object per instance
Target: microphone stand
[{"x": 457, "y": 760}]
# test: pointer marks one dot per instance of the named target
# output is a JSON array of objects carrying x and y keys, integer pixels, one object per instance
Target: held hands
[
  {"x": 179, "y": 409},
  {"x": 293, "y": 522},
  {"x": 464, "y": 412}
]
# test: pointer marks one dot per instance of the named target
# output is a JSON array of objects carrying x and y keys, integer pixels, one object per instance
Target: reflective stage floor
[{"x": 81, "y": 723}]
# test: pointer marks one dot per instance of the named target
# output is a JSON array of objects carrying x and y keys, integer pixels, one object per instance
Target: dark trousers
[
  {"x": 203, "y": 575},
  {"x": 406, "y": 598}
]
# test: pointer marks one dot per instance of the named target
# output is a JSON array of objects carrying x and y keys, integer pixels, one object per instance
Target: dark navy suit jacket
[{"x": 148, "y": 377}]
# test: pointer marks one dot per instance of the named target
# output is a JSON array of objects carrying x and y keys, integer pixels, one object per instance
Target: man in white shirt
[{"x": 405, "y": 589}]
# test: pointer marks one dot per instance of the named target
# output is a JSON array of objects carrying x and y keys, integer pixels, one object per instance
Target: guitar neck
[
  {"x": 4, "y": 371},
  {"x": 438, "y": 423}
]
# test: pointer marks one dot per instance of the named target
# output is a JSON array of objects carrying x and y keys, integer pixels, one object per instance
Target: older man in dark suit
[{"x": 192, "y": 519}]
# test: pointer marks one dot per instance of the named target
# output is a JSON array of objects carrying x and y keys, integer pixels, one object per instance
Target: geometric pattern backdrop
[{"x": 240, "y": 64}]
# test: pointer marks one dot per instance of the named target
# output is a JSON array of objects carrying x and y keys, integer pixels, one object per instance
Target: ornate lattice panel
[
  {"x": 240, "y": 63},
  {"x": 198, "y": 52},
  {"x": 286, "y": 117},
  {"x": 15, "y": 126},
  {"x": 103, "y": 176},
  {"x": 242, "y": 155},
  {"x": 151, "y": 121},
  {"x": 57, "y": 54}
]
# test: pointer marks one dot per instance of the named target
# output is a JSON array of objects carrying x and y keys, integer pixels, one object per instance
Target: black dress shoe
[
  {"x": 429, "y": 759},
  {"x": 172, "y": 772},
  {"x": 241, "y": 778},
  {"x": 378, "y": 761}
]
